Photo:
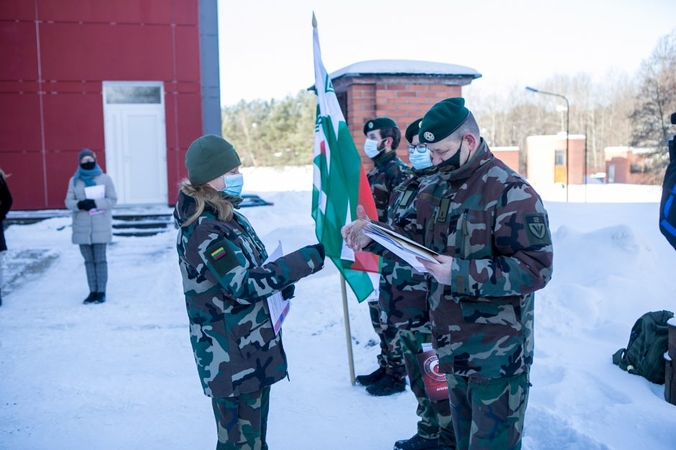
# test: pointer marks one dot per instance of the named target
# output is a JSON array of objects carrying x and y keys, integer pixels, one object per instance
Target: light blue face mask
[
  {"x": 233, "y": 184},
  {"x": 420, "y": 157}
]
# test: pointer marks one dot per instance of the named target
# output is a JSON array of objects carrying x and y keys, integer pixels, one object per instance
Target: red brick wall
[
  {"x": 509, "y": 157},
  {"x": 402, "y": 99}
]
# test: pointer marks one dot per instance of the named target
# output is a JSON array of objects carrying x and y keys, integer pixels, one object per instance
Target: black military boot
[
  {"x": 91, "y": 298},
  {"x": 100, "y": 297},
  {"x": 417, "y": 442},
  {"x": 373, "y": 377},
  {"x": 387, "y": 385}
]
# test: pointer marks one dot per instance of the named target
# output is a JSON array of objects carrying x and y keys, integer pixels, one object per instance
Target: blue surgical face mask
[
  {"x": 419, "y": 157},
  {"x": 371, "y": 148},
  {"x": 233, "y": 184}
]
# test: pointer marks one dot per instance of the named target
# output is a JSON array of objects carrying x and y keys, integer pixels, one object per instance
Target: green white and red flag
[{"x": 339, "y": 185}]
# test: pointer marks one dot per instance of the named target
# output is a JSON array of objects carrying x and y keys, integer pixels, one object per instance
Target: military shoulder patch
[
  {"x": 536, "y": 229},
  {"x": 221, "y": 256}
]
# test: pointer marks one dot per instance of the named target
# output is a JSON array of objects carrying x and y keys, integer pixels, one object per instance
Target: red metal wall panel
[
  {"x": 27, "y": 181},
  {"x": 83, "y": 43},
  {"x": 120, "y": 11},
  {"x": 71, "y": 51},
  {"x": 17, "y": 10},
  {"x": 73, "y": 121},
  {"x": 187, "y": 59},
  {"x": 18, "y": 60},
  {"x": 20, "y": 124}
]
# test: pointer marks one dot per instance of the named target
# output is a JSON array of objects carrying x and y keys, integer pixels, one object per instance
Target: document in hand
[
  {"x": 96, "y": 191},
  {"x": 278, "y": 307},
  {"x": 93, "y": 193},
  {"x": 401, "y": 246}
]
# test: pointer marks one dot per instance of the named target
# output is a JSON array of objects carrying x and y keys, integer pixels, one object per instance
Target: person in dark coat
[
  {"x": 5, "y": 205},
  {"x": 227, "y": 281},
  {"x": 668, "y": 201},
  {"x": 91, "y": 197}
]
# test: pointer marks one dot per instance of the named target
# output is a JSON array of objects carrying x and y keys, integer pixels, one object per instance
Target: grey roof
[{"x": 405, "y": 67}]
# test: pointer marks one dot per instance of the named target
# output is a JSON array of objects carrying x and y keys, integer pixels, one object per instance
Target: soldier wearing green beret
[
  {"x": 491, "y": 231},
  {"x": 403, "y": 301},
  {"x": 226, "y": 281},
  {"x": 382, "y": 139}
]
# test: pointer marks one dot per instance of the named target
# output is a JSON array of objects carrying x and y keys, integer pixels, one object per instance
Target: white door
[{"x": 135, "y": 139}]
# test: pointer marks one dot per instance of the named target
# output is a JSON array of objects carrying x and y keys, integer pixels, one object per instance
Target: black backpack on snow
[{"x": 648, "y": 342}]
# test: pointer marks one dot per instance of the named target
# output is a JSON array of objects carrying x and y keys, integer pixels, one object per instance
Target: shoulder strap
[{"x": 617, "y": 358}]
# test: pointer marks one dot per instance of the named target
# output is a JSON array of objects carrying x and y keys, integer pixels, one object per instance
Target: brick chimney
[{"x": 402, "y": 90}]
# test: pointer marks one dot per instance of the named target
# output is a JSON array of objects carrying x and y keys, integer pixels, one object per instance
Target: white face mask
[{"x": 371, "y": 148}]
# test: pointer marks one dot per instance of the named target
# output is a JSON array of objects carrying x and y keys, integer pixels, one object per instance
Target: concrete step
[{"x": 127, "y": 221}]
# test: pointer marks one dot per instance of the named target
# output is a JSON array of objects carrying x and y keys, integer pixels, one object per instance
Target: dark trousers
[
  {"x": 242, "y": 421},
  {"x": 96, "y": 266}
]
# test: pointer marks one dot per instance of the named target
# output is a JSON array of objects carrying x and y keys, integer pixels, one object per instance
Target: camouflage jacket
[
  {"x": 388, "y": 172},
  {"x": 403, "y": 290},
  {"x": 495, "y": 226},
  {"x": 225, "y": 284}
]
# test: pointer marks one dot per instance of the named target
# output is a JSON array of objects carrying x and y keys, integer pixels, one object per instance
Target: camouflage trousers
[
  {"x": 242, "y": 421},
  {"x": 391, "y": 356},
  {"x": 435, "y": 417},
  {"x": 488, "y": 414}
]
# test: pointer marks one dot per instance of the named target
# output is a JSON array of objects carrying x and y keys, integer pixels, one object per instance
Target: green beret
[
  {"x": 412, "y": 130},
  {"x": 378, "y": 124},
  {"x": 442, "y": 119},
  {"x": 209, "y": 157}
]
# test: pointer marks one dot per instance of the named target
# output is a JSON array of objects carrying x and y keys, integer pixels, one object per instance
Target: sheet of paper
[
  {"x": 278, "y": 307},
  {"x": 401, "y": 246},
  {"x": 95, "y": 192}
]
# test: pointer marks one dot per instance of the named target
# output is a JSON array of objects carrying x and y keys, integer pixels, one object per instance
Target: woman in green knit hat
[{"x": 226, "y": 282}]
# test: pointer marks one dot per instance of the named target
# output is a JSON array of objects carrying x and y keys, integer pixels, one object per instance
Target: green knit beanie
[
  {"x": 209, "y": 157},
  {"x": 443, "y": 119}
]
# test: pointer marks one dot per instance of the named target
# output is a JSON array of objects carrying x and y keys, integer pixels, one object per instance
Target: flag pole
[{"x": 348, "y": 331}]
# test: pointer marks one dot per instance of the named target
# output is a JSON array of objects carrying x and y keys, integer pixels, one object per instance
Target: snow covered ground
[{"x": 121, "y": 375}]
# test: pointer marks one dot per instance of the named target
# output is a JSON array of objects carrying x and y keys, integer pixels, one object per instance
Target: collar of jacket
[
  {"x": 479, "y": 157},
  {"x": 384, "y": 158},
  {"x": 186, "y": 206}
]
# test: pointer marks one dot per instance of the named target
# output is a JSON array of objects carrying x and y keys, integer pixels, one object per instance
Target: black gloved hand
[
  {"x": 86, "y": 205},
  {"x": 320, "y": 248},
  {"x": 287, "y": 292}
]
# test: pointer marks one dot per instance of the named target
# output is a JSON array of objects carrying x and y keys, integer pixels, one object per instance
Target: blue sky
[{"x": 266, "y": 45}]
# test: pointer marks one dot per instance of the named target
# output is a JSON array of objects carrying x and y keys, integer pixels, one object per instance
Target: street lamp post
[{"x": 528, "y": 88}]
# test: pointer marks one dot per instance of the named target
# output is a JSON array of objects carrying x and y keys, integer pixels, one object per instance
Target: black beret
[
  {"x": 378, "y": 124},
  {"x": 412, "y": 130},
  {"x": 442, "y": 119}
]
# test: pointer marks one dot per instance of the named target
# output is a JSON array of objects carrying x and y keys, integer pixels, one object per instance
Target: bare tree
[{"x": 656, "y": 96}]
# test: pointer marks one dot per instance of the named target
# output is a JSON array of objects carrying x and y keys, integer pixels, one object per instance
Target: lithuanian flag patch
[{"x": 218, "y": 253}]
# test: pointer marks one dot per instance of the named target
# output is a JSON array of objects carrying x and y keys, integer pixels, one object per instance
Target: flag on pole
[{"x": 339, "y": 185}]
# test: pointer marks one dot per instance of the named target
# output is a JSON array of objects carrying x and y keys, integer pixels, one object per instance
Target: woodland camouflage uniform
[
  {"x": 404, "y": 306},
  {"x": 388, "y": 172},
  {"x": 237, "y": 352},
  {"x": 494, "y": 225}
]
